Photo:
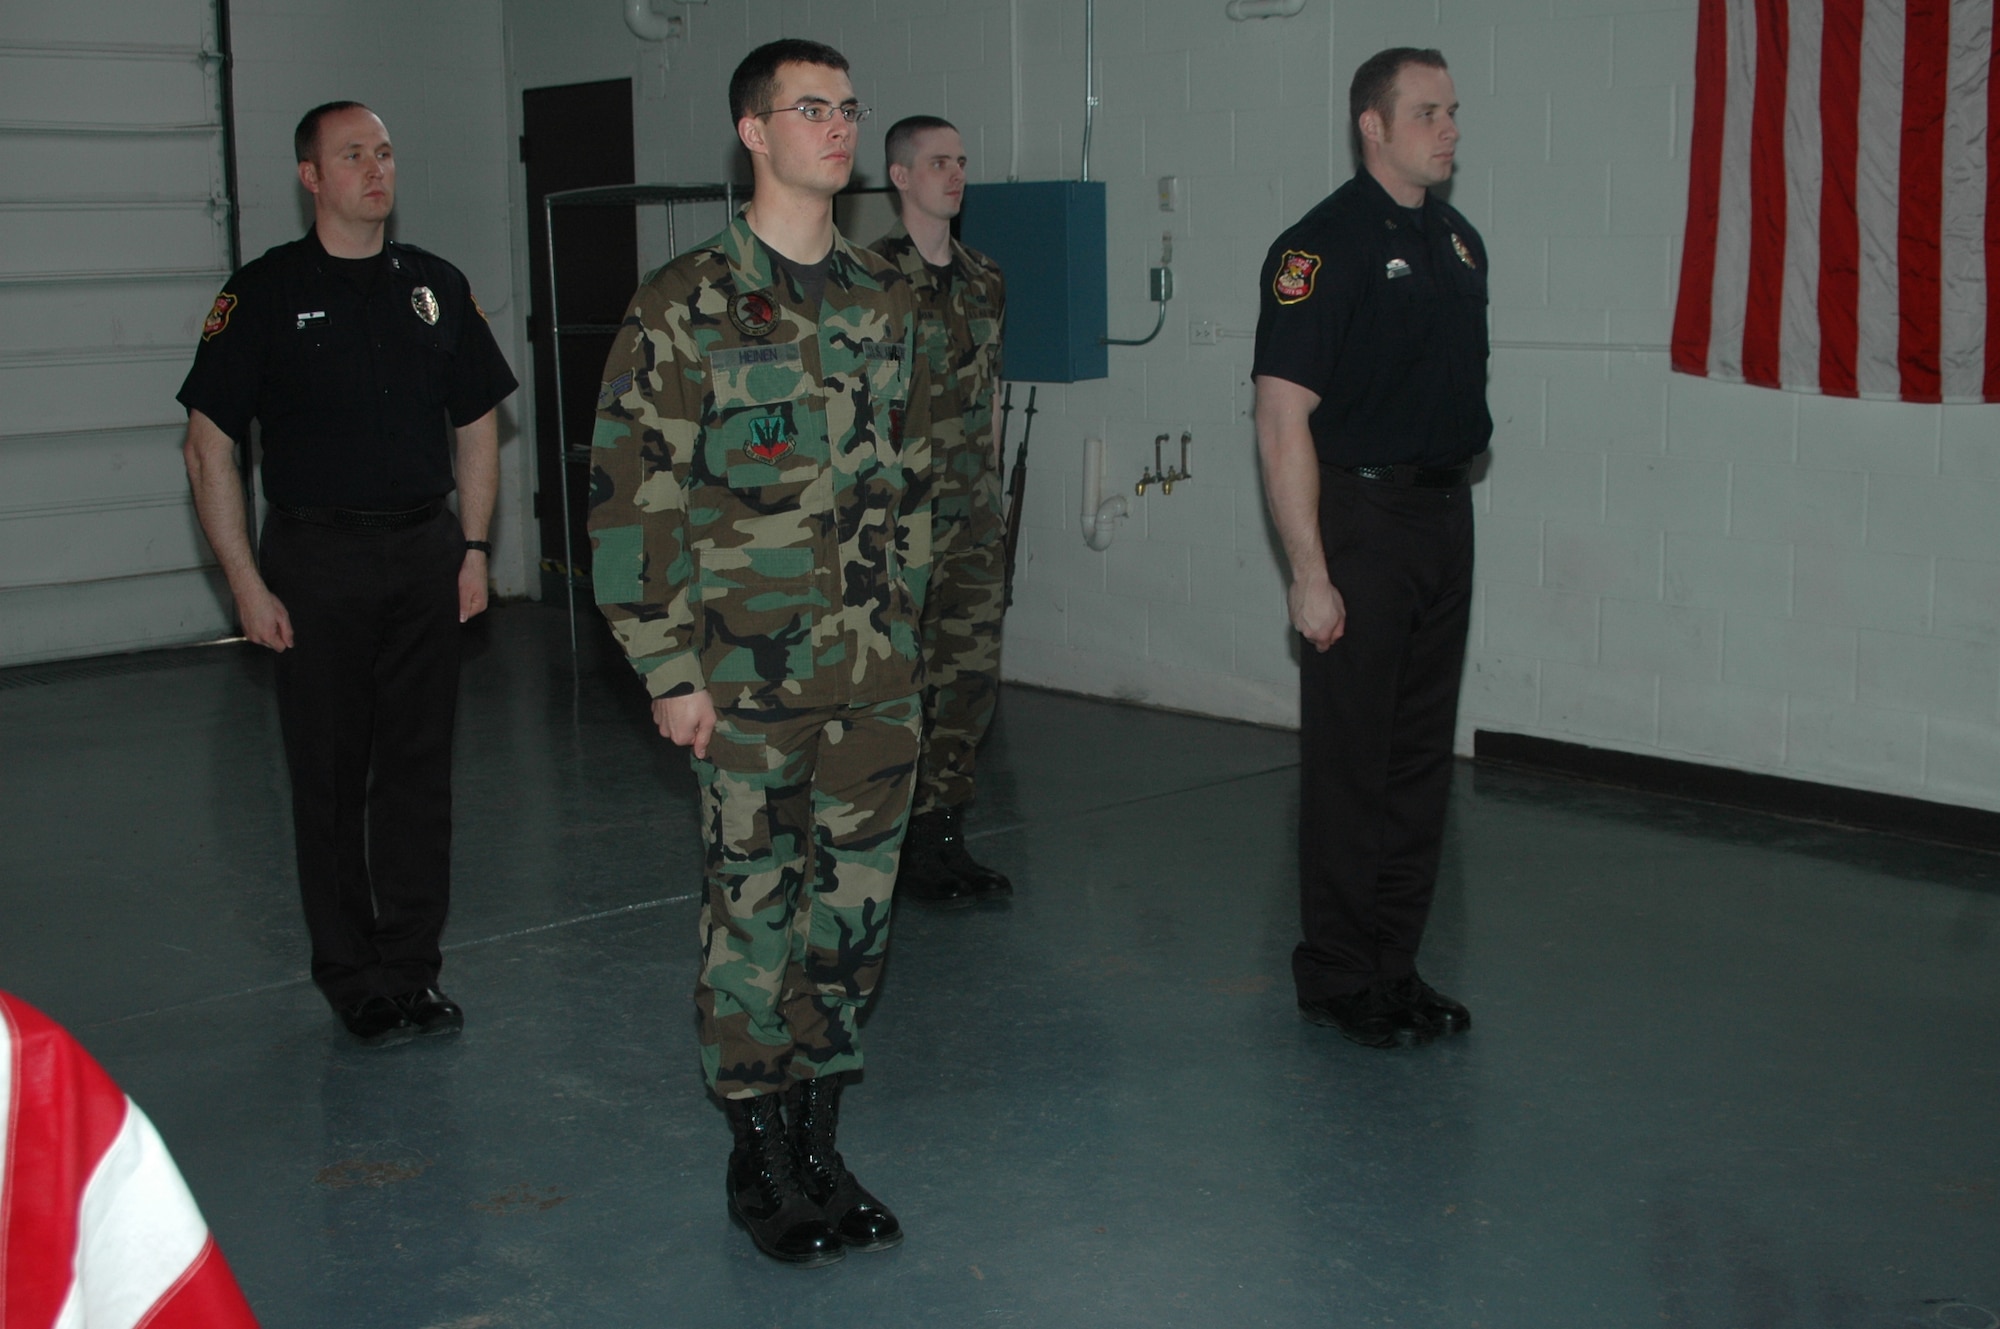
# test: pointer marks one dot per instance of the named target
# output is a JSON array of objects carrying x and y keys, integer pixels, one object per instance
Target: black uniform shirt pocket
[
  {"x": 314, "y": 348},
  {"x": 1407, "y": 292},
  {"x": 417, "y": 351}
]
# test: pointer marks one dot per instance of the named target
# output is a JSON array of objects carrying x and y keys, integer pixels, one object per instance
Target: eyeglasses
[{"x": 819, "y": 112}]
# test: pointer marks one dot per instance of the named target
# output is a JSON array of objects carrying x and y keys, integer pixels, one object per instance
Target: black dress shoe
[
  {"x": 1371, "y": 1017},
  {"x": 987, "y": 884},
  {"x": 763, "y": 1185},
  {"x": 432, "y": 1012},
  {"x": 1448, "y": 1014},
  {"x": 377, "y": 1021}
]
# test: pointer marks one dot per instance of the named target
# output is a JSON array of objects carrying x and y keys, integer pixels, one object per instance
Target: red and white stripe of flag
[
  {"x": 97, "y": 1229},
  {"x": 1843, "y": 230}
]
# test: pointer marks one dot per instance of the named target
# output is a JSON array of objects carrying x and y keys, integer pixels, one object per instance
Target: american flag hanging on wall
[{"x": 1843, "y": 230}]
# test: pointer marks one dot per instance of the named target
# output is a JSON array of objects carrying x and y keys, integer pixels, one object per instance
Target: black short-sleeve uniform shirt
[
  {"x": 354, "y": 367},
  {"x": 1381, "y": 310}
]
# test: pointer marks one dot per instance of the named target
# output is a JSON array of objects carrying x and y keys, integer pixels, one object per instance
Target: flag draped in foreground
[
  {"x": 1843, "y": 231},
  {"x": 97, "y": 1229}
]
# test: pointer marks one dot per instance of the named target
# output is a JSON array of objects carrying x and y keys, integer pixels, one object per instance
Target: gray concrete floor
[{"x": 1727, "y": 1070}]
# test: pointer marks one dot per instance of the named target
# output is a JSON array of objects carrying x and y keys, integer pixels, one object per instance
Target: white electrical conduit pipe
[
  {"x": 1089, "y": 79},
  {"x": 646, "y": 24},
  {"x": 1014, "y": 59},
  {"x": 1242, "y": 9}
]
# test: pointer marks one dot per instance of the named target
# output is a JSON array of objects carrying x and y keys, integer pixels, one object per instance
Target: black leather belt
[
  {"x": 356, "y": 519},
  {"x": 1414, "y": 477}
]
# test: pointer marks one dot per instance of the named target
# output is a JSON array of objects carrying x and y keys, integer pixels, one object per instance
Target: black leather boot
[
  {"x": 986, "y": 883},
  {"x": 764, "y": 1194},
  {"x": 923, "y": 875},
  {"x": 861, "y": 1220}
]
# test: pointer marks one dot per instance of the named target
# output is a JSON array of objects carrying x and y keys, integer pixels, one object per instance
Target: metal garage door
[{"x": 113, "y": 240}]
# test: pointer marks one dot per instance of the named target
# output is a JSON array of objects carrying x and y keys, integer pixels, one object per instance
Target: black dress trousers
[
  {"x": 1377, "y": 715},
  {"x": 370, "y": 683}
]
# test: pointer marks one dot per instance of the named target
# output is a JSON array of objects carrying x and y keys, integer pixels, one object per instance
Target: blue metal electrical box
[{"x": 1048, "y": 238}]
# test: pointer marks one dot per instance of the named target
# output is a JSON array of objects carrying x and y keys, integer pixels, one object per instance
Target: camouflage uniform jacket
[
  {"x": 961, "y": 326},
  {"x": 760, "y": 481}
]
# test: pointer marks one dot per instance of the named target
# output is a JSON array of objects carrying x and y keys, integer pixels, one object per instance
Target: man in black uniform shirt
[
  {"x": 1370, "y": 368},
  {"x": 355, "y": 355}
]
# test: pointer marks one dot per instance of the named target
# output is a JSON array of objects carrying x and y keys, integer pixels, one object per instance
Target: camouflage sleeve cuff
[
  {"x": 671, "y": 675},
  {"x": 664, "y": 662}
]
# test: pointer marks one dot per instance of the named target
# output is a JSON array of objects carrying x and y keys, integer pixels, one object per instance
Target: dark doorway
[{"x": 577, "y": 135}]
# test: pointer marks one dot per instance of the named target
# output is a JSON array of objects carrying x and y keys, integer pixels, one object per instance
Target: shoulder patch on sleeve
[
  {"x": 218, "y": 316},
  {"x": 613, "y": 390},
  {"x": 1294, "y": 280}
]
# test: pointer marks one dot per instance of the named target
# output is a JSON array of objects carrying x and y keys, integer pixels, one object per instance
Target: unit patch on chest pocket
[{"x": 770, "y": 438}]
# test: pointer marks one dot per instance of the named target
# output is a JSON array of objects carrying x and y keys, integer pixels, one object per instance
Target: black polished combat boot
[
  {"x": 860, "y": 1220},
  {"x": 986, "y": 884},
  {"x": 923, "y": 875},
  {"x": 764, "y": 1194}
]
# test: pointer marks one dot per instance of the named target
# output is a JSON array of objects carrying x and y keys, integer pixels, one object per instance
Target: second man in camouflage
[{"x": 961, "y": 302}]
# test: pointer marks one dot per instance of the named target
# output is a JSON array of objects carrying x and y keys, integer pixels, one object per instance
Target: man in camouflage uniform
[
  {"x": 961, "y": 301},
  {"x": 760, "y": 512}
]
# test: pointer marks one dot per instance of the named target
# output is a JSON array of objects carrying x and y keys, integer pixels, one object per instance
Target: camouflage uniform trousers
[
  {"x": 803, "y": 813},
  {"x": 962, "y": 660}
]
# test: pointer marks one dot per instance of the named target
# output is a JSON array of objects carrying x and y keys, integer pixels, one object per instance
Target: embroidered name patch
[
  {"x": 1294, "y": 282},
  {"x": 882, "y": 350},
  {"x": 730, "y": 358},
  {"x": 218, "y": 316}
]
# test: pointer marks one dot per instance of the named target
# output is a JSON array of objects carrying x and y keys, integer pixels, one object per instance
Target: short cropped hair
[
  {"x": 899, "y": 147},
  {"x": 305, "y": 139},
  {"x": 1374, "y": 86},
  {"x": 755, "y": 81}
]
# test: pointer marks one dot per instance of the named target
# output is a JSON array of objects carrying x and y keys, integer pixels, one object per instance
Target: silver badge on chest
[{"x": 425, "y": 303}]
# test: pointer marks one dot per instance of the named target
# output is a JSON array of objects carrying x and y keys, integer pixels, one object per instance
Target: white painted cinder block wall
[
  {"x": 435, "y": 71},
  {"x": 1733, "y": 576}
]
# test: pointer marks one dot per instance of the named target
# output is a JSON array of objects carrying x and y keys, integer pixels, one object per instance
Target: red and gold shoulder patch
[
  {"x": 218, "y": 317},
  {"x": 1294, "y": 282}
]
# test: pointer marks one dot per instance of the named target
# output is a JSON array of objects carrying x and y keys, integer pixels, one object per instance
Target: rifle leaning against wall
[{"x": 1017, "y": 483}]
